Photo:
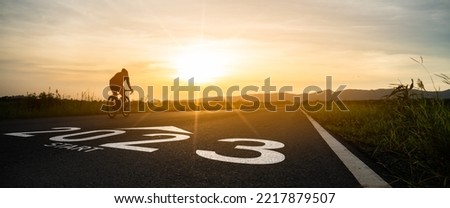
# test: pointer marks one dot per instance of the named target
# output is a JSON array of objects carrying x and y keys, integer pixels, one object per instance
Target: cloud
[{"x": 61, "y": 38}]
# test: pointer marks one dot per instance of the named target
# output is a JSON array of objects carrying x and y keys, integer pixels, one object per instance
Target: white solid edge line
[{"x": 365, "y": 176}]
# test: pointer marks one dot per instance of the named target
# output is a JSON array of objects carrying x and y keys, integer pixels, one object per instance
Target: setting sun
[{"x": 204, "y": 63}]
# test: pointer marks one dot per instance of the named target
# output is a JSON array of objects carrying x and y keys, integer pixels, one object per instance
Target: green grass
[
  {"x": 49, "y": 104},
  {"x": 410, "y": 137},
  {"x": 407, "y": 133},
  {"x": 33, "y": 106}
]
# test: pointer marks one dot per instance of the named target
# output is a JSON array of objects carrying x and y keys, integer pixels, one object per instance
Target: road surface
[{"x": 171, "y": 149}]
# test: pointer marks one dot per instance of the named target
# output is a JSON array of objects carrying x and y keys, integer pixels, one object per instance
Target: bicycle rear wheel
[{"x": 112, "y": 106}]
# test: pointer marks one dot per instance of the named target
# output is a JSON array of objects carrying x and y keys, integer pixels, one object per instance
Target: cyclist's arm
[{"x": 127, "y": 80}]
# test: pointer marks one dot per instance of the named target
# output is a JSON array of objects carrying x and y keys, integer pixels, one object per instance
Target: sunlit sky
[{"x": 77, "y": 46}]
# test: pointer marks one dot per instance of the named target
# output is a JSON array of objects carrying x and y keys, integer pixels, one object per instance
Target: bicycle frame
[{"x": 123, "y": 102}]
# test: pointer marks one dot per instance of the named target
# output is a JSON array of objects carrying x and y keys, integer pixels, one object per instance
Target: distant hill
[
  {"x": 346, "y": 95},
  {"x": 354, "y": 94}
]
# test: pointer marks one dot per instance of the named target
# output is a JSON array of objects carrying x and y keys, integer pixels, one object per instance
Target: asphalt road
[{"x": 170, "y": 149}]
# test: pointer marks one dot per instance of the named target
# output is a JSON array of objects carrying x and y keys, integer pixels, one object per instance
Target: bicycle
[{"x": 115, "y": 104}]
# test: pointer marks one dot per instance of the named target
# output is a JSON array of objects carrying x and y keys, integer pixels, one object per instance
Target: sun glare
[{"x": 205, "y": 64}]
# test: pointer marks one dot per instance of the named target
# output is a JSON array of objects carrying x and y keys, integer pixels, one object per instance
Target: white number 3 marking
[{"x": 268, "y": 156}]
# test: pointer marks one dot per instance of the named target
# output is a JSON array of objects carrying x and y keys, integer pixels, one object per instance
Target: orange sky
[{"x": 76, "y": 46}]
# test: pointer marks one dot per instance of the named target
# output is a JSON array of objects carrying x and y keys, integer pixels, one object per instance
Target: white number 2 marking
[
  {"x": 127, "y": 145},
  {"x": 62, "y": 138},
  {"x": 162, "y": 128},
  {"x": 267, "y": 155},
  {"x": 56, "y": 130},
  {"x": 174, "y": 138}
]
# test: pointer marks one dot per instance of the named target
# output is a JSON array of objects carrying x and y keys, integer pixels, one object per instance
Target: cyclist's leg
[
  {"x": 122, "y": 93},
  {"x": 115, "y": 89}
]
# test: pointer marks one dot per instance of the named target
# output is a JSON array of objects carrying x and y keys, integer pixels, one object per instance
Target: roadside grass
[
  {"x": 52, "y": 104},
  {"x": 407, "y": 133},
  {"x": 47, "y": 105}
]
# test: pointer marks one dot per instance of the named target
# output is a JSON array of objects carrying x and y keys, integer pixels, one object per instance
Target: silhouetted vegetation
[
  {"x": 412, "y": 140},
  {"x": 47, "y": 104},
  {"x": 408, "y": 133}
]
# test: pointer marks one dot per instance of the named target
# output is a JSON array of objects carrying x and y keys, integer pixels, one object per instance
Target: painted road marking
[
  {"x": 365, "y": 176},
  {"x": 30, "y": 133},
  {"x": 268, "y": 155},
  {"x": 129, "y": 145},
  {"x": 163, "y": 128},
  {"x": 73, "y": 147}
]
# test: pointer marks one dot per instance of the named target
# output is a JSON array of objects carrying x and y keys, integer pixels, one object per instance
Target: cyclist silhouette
[{"x": 116, "y": 83}]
